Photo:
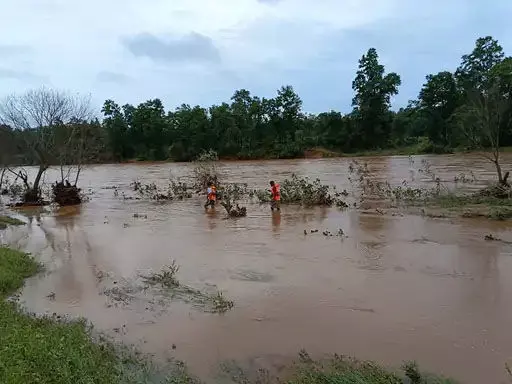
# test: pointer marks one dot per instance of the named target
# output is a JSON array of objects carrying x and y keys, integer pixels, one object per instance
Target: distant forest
[{"x": 469, "y": 108}]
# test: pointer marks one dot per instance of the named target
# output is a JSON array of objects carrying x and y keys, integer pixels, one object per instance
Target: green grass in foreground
[
  {"x": 40, "y": 350},
  {"x": 6, "y": 220}
]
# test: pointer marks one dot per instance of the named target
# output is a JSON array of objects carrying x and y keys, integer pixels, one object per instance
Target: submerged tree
[
  {"x": 38, "y": 113},
  {"x": 483, "y": 120}
]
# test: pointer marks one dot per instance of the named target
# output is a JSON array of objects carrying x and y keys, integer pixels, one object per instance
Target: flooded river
[{"x": 395, "y": 288}]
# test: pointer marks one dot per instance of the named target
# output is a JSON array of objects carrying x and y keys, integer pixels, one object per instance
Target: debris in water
[
  {"x": 51, "y": 296},
  {"x": 140, "y": 216},
  {"x": 305, "y": 232},
  {"x": 490, "y": 237}
]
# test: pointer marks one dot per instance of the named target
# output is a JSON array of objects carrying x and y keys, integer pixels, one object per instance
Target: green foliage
[
  {"x": 372, "y": 100},
  {"x": 248, "y": 126},
  {"x": 475, "y": 68},
  {"x": 40, "y": 349},
  {"x": 345, "y": 370},
  {"x": 303, "y": 191},
  {"x": 14, "y": 268}
]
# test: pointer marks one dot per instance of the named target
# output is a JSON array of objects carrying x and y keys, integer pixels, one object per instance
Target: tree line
[{"x": 468, "y": 108}]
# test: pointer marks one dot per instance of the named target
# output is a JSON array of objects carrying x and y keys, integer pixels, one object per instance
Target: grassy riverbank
[{"x": 42, "y": 350}]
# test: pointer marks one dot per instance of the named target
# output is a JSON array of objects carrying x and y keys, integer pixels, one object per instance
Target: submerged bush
[
  {"x": 301, "y": 190},
  {"x": 231, "y": 195},
  {"x": 369, "y": 187},
  {"x": 66, "y": 194},
  {"x": 205, "y": 170},
  {"x": 175, "y": 190},
  {"x": 179, "y": 190}
]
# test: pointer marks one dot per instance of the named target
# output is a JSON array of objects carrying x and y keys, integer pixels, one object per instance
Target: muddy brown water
[{"x": 396, "y": 288}]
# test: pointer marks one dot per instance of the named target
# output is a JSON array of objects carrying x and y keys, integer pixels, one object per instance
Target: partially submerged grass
[
  {"x": 345, "y": 370},
  {"x": 167, "y": 277},
  {"x": 40, "y": 350},
  {"x": 49, "y": 350},
  {"x": 433, "y": 200},
  {"x": 333, "y": 370},
  {"x": 470, "y": 206},
  {"x": 5, "y": 221},
  {"x": 14, "y": 268},
  {"x": 209, "y": 302}
]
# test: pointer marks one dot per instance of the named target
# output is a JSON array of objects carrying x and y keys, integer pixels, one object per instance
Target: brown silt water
[{"x": 394, "y": 288}]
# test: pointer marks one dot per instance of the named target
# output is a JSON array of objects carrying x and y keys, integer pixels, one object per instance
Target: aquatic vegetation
[
  {"x": 231, "y": 196},
  {"x": 205, "y": 170},
  {"x": 176, "y": 189},
  {"x": 306, "y": 192},
  {"x": 167, "y": 277},
  {"x": 209, "y": 302},
  {"x": 5, "y": 221}
]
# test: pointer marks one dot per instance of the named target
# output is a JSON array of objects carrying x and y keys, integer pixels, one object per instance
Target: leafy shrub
[{"x": 303, "y": 191}]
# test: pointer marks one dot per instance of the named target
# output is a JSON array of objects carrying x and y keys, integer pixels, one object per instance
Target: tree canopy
[{"x": 248, "y": 126}]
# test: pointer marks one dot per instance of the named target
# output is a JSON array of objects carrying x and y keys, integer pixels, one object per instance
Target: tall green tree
[
  {"x": 438, "y": 100},
  {"x": 117, "y": 130},
  {"x": 474, "y": 70},
  {"x": 372, "y": 101}
]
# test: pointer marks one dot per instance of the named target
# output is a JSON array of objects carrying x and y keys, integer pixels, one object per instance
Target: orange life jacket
[
  {"x": 276, "y": 194},
  {"x": 212, "y": 196}
]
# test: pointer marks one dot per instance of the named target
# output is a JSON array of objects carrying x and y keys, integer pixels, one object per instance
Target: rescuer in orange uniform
[
  {"x": 211, "y": 196},
  {"x": 275, "y": 190}
]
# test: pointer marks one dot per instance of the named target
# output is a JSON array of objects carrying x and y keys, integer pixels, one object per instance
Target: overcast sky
[{"x": 200, "y": 51}]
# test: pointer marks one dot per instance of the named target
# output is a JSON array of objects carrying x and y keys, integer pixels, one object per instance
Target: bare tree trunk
[
  {"x": 79, "y": 169},
  {"x": 40, "y": 172},
  {"x": 33, "y": 193},
  {"x": 498, "y": 171},
  {"x": 2, "y": 178}
]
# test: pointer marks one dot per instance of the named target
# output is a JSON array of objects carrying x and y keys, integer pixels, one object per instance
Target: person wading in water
[
  {"x": 275, "y": 190},
  {"x": 211, "y": 196}
]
